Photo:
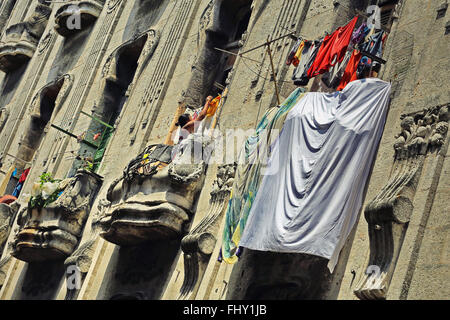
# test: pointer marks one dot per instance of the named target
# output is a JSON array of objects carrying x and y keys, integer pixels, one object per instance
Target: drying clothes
[
  {"x": 333, "y": 49},
  {"x": 333, "y": 77},
  {"x": 350, "y": 71},
  {"x": 298, "y": 54},
  {"x": 374, "y": 46},
  {"x": 19, "y": 185},
  {"x": 313, "y": 189},
  {"x": 309, "y": 54},
  {"x": 252, "y": 159},
  {"x": 359, "y": 34},
  {"x": 293, "y": 51},
  {"x": 24, "y": 175},
  {"x": 213, "y": 105}
]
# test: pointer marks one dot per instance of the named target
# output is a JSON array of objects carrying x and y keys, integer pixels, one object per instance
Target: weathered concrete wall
[{"x": 417, "y": 65}]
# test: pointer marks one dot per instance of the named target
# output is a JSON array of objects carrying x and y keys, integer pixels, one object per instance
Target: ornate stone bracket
[
  {"x": 76, "y": 16},
  {"x": 4, "y": 114},
  {"x": 199, "y": 244},
  {"x": 53, "y": 232},
  {"x": 153, "y": 201},
  {"x": 389, "y": 212},
  {"x": 7, "y": 214},
  {"x": 21, "y": 39}
]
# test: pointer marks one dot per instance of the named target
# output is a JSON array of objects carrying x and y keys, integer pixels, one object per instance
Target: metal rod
[
  {"x": 98, "y": 120},
  {"x": 74, "y": 136},
  {"x": 26, "y": 162},
  {"x": 273, "y": 71},
  {"x": 268, "y": 42},
  {"x": 237, "y": 54},
  {"x": 371, "y": 56}
]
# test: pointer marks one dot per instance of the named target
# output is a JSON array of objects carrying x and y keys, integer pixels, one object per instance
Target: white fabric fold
[{"x": 313, "y": 188}]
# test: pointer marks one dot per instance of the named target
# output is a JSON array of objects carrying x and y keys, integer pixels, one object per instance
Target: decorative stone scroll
[
  {"x": 53, "y": 232},
  {"x": 199, "y": 244},
  {"x": 156, "y": 196},
  {"x": 76, "y": 16},
  {"x": 4, "y": 114},
  {"x": 389, "y": 212},
  {"x": 21, "y": 39}
]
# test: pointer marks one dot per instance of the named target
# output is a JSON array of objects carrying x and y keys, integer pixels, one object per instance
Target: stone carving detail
[
  {"x": 4, "y": 266},
  {"x": 389, "y": 212},
  {"x": 4, "y": 114},
  {"x": 21, "y": 39},
  {"x": 199, "y": 244},
  {"x": 53, "y": 232},
  {"x": 86, "y": 11},
  {"x": 44, "y": 43},
  {"x": 7, "y": 214},
  {"x": 112, "y": 4},
  {"x": 156, "y": 196}
]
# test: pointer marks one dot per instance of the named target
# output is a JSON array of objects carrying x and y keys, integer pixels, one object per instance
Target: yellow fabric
[
  {"x": 298, "y": 54},
  {"x": 6, "y": 179},
  {"x": 213, "y": 105}
]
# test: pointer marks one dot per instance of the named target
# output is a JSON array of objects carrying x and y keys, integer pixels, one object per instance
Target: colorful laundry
[
  {"x": 333, "y": 49},
  {"x": 309, "y": 54},
  {"x": 333, "y": 77},
  {"x": 350, "y": 71}
]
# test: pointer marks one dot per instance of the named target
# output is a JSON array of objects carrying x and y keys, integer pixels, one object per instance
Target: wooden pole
[{"x": 273, "y": 71}]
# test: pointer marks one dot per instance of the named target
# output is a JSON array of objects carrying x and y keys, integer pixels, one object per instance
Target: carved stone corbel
[
  {"x": 7, "y": 214},
  {"x": 199, "y": 244},
  {"x": 53, "y": 232},
  {"x": 76, "y": 16},
  {"x": 389, "y": 212},
  {"x": 21, "y": 39}
]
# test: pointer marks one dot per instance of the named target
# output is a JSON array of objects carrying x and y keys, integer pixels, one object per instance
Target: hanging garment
[
  {"x": 298, "y": 54},
  {"x": 308, "y": 56},
  {"x": 19, "y": 185},
  {"x": 313, "y": 188},
  {"x": 251, "y": 162},
  {"x": 333, "y": 49},
  {"x": 213, "y": 105},
  {"x": 333, "y": 77},
  {"x": 374, "y": 46},
  {"x": 359, "y": 34},
  {"x": 293, "y": 51},
  {"x": 350, "y": 71}
]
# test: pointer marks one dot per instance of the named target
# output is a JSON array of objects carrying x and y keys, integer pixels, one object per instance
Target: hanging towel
[
  {"x": 313, "y": 188},
  {"x": 350, "y": 71},
  {"x": 307, "y": 58},
  {"x": 248, "y": 174}
]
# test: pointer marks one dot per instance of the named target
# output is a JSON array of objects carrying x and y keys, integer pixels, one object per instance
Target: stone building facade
[{"x": 136, "y": 65}]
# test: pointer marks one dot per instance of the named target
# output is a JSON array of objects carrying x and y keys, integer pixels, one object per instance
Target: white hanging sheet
[{"x": 313, "y": 187}]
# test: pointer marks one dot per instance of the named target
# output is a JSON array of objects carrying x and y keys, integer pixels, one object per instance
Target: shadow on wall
[
  {"x": 144, "y": 15},
  {"x": 278, "y": 276},
  {"x": 10, "y": 84},
  {"x": 69, "y": 53},
  {"x": 142, "y": 271},
  {"x": 41, "y": 281}
]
